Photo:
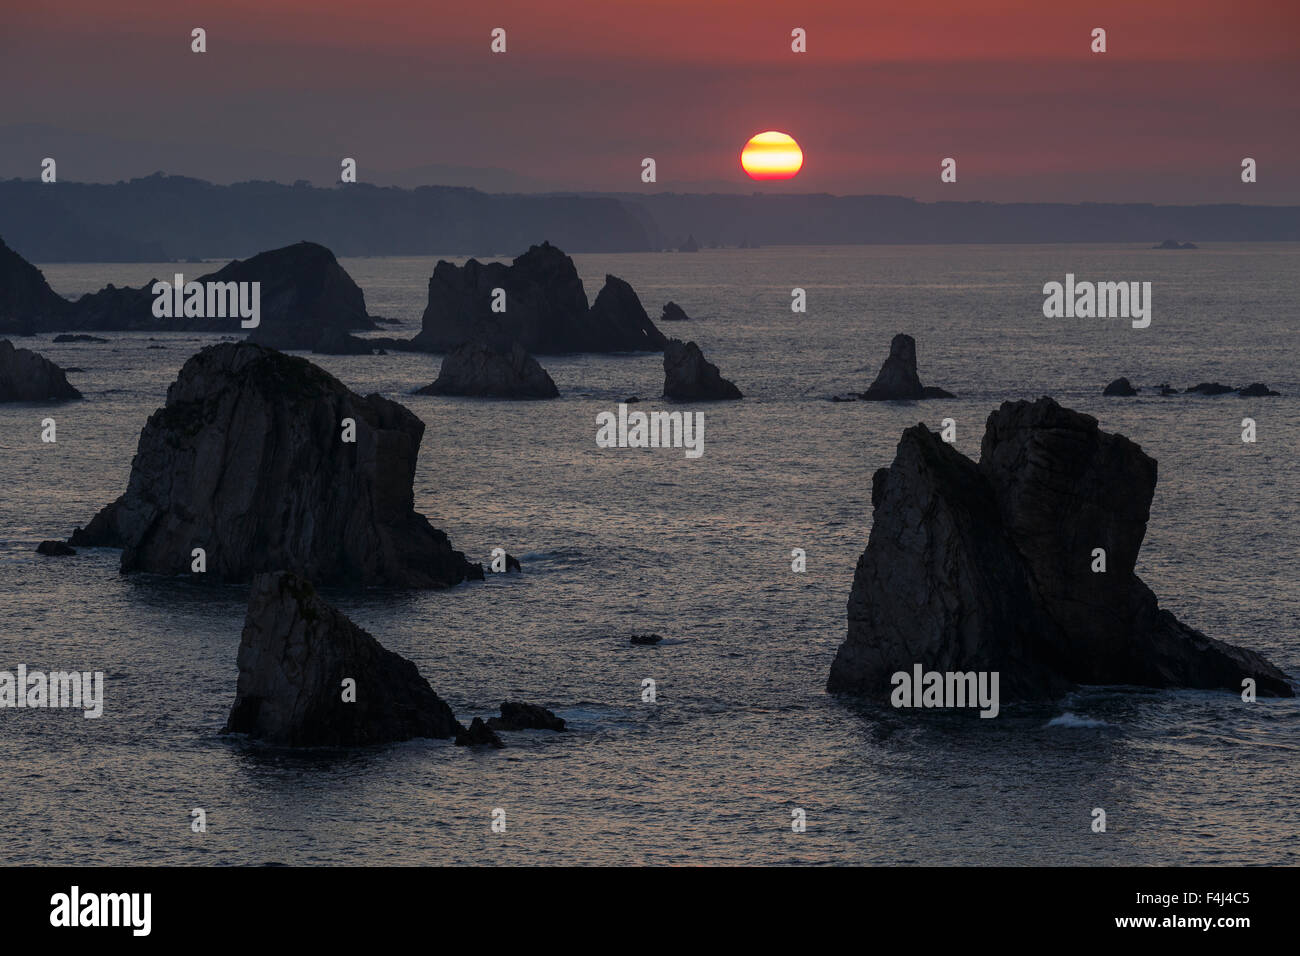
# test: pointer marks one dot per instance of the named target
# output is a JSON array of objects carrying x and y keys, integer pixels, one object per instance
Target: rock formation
[
  {"x": 27, "y": 303},
  {"x": 690, "y": 377},
  {"x": 491, "y": 369},
  {"x": 1208, "y": 388},
  {"x": 248, "y": 460},
  {"x": 645, "y": 639},
  {"x": 26, "y": 376},
  {"x": 898, "y": 380},
  {"x": 1121, "y": 386},
  {"x": 478, "y": 734},
  {"x": 295, "y": 654},
  {"x": 516, "y": 715},
  {"x": 989, "y": 567},
  {"x": 92, "y": 339},
  {"x": 546, "y": 308},
  {"x": 304, "y": 293},
  {"x": 673, "y": 313},
  {"x": 54, "y": 549},
  {"x": 1256, "y": 390}
]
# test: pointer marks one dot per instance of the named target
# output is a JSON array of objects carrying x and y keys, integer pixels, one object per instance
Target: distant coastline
[{"x": 163, "y": 218}]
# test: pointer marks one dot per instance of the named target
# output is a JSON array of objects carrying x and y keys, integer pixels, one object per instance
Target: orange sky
[{"x": 587, "y": 89}]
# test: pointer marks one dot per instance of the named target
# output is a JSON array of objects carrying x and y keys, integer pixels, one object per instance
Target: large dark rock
[
  {"x": 303, "y": 294},
  {"x": 1256, "y": 390},
  {"x": 546, "y": 308},
  {"x": 517, "y": 715},
  {"x": 294, "y": 656},
  {"x": 27, "y": 303},
  {"x": 26, "y": 376},
  {"x": 1120, "y": 387},
  {"x": 690, "y": 377},
  {"x": 898, "y": 379},
  {"x": 247, "y": 461},
  {"x": 989, "y": 567},
  {"x": 491, "y": 369}
]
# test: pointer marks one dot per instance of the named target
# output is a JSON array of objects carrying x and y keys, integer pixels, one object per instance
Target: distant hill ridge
[{"x": 160, "y": 218}]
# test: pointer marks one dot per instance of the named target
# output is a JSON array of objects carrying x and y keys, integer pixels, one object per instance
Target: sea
[{"x": 741, "y": 734}]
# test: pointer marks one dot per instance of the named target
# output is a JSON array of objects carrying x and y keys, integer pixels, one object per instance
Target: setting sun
[{"x": 772, "y": 155}]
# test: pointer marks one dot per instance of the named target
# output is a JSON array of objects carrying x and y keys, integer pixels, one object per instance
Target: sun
[{"x": 771, "y": 155}]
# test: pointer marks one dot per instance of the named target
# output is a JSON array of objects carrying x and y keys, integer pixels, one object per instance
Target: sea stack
[
  {"x": 26, "y": 376},
  {"x": 542, "y": 306},
  {"x": 1121, "y": 387},
  {"x": 995, "y": 567},
  {"x": 297, "y": 654},
  {"x": 673, "y": 313},
  {"x": 491, "y": 369},
  {"x": 898, "y": 379},
  {"x": 690, "y": 377},
  {"x": 267, "y": 462}
]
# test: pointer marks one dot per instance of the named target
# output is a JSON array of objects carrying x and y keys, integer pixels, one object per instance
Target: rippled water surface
[{"x": 621, "y": 542}]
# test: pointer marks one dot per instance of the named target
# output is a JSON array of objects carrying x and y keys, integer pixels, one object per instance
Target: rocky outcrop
[
  {"x": 248, "y": 460},
  {"x": 645, "y": 639},
  {"x": 516, "y": 715},
  {"x": 690, "y": 377},
  {"x": 673, "y": 313},
  {"x": 303, "y": 294},
  {"x": 1121, "y": 386},
  {"x": 898, "y": 379},
  {"x": 491, "y": 369},
  {"x": 54, "y": 549},
  {"x": 1209, "y": 388},
  {"x": 990, "y": 567},
  {"x": 27, "y": 303},
  {"x": 1256, "y": 390},
  {"x": 296, "y": 657},
  {"x": 545, "y": 304},
  {"x": 478, "y": 734},
  {"x": 26, "y": 376},
  {"x": 91, "y": 339}
]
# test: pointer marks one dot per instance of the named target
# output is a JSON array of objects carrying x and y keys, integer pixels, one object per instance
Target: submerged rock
[
  {"x": 516, "y": 715},
  {"x": 645, "y": 639},
  {"x": 479, "y": 734},
  {"x": 1256, "y": 390},
  {"x": 26, "y": 376},
  {"x": 673, "y": 313},
  {"x": 248, "y": 461},
  {"x": 67, "y": 337},
  {"x": 54, "y": 549},
  {"x": 690, "y": 377},
  {"x": 1166, "y": 389},
  {"x": 1120, "y": 386},
  {"x": 491, "y": 369},
  {"x": 989, "y": 567},
  {"x": 1209, "y": 388},
  {"x": 898, "y": 379},
  {"x": 296, "y": 654},
  {"x": 546, "y": 308}
]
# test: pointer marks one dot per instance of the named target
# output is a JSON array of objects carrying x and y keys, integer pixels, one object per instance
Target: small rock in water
[
  {"x": 54, "y": 549},
  {"x": 479, "y": 734},
  {"x": 1209, "y": 388},
  {"x": 1120, "y": 386},
  {"x": 1256, "y": 390},
  {"x": 517, "y": 715},
  {"x": 646, "y": 639}
]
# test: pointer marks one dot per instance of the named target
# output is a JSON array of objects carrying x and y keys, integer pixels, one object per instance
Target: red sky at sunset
[{"x": 587, "y": 89}]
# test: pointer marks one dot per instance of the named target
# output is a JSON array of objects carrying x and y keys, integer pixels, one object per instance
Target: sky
[{"x": 588, "y": 88}]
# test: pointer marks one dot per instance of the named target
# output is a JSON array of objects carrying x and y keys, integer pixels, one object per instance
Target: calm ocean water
[{"x": 621, "y": 542}]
